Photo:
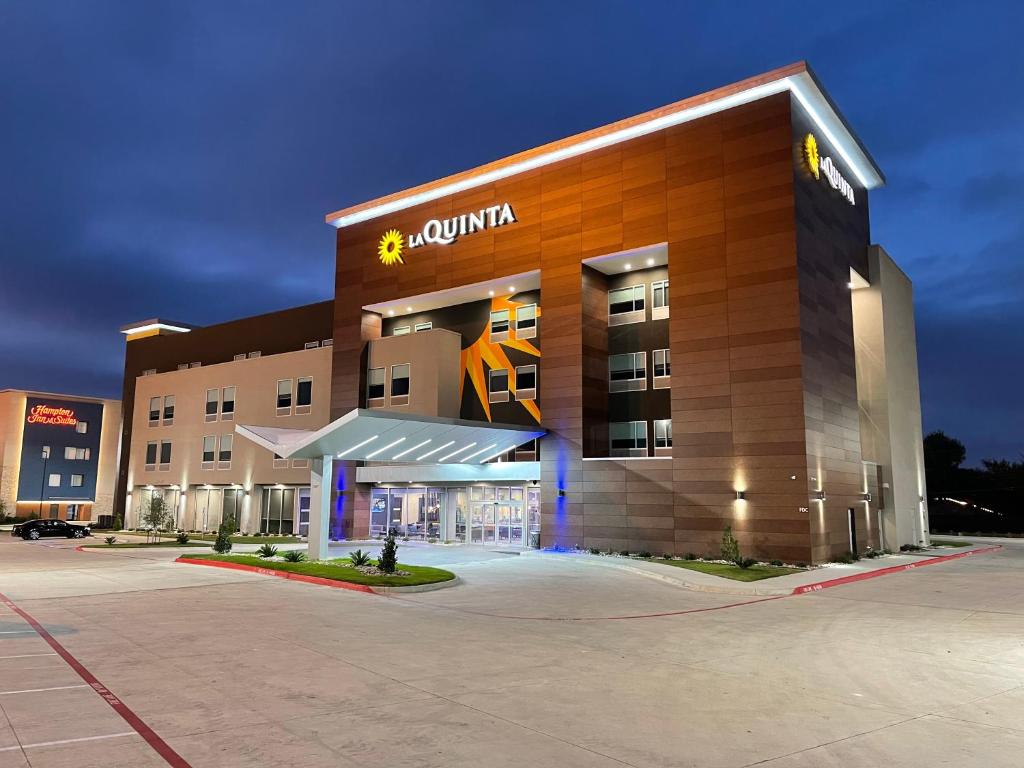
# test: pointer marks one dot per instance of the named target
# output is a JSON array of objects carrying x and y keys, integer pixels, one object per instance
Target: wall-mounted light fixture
[
  {"x": 741, "y": 495},
  {"x": 819, "y": 495},
  {"x": 866, "y": 496},
  {"x": 561, "y": 492}
]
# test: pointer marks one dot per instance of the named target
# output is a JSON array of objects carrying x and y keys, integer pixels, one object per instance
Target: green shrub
[
  {"x": 266, "y": 551},
  {"x": 730, "y": 547},
  {"x": 294, "y": 556},
  {"x": 223, "y": 543},
  {"x": 182, "y": 538},
  {"x": 689, "y": 556},
  {"x": 846, "y": 558},
  {"x": 645, "y": 554},
  {"x": 801, "y": 565},
  {"x": 746, "y": 562},
  {"x": 595, "y": 551},
  {"x": 388, "y": 560},
  {"x": 776, "y": 562},
  {"x": 666, "y": 555},
  {"x": 358, "y": 557},
  {"x": 110, "y": 539}
]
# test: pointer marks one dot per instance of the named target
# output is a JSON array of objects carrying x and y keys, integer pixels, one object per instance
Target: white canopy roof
[{"x": 387, "y": 436}]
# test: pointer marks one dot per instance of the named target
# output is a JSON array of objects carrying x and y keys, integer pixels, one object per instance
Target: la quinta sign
[
  {"x": 443, "y": 231},
  {"x": 823, "y": 166}
]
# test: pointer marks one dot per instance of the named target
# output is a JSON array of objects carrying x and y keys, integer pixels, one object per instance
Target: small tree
[
  {"x": 730, "y": 547},
  {"x": 223, "y": 543},
  {"x": 3, "y": 511},
  {"x": 156, "y": 515},
  {"x": 388, "y": 559}
]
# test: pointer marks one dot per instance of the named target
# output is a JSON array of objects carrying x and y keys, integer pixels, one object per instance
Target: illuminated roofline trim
[
  {"x": 154, "y": 327},
  {"x": 801, "y": 85}
]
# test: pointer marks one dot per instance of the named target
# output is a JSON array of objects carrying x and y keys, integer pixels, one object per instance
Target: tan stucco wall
[
  {"x": 435, "y": 370},
  {"x": 889, "y": 397},
  {"x": 255, "y": 404}
]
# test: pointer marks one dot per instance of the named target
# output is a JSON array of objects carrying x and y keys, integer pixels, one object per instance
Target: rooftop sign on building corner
[
  {"x": 443, "y": 231},
  {"x": 823, "y": 166}
]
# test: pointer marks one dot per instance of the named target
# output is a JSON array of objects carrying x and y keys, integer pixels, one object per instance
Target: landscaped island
[{"x": 340, "y": 569}]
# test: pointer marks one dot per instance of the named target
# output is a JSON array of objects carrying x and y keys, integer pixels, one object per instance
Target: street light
[{"x": 42, "y": 483}]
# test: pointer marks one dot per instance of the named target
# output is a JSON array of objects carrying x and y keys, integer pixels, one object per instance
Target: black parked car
[{"x": 36, "y": 529}]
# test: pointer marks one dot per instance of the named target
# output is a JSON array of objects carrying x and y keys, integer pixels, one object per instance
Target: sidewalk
[{"x": 812, "y": 580}]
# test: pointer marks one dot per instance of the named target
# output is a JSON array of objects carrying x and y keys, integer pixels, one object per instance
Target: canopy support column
[{"x": 320, "y": 479}]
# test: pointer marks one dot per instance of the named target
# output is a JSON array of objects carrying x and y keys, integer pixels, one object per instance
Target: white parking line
[
  {"x": 66, "y": 741},
  {"x": 41, "y": 690},
  {"x": 17, "y": 632},
  {"x": 27, "y": 655}
]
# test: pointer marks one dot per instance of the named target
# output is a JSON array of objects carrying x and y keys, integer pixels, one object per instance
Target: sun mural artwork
[{"x": 483, "y": 355}]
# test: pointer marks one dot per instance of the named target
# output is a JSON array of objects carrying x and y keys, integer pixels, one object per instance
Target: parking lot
[{"x": 528, "y": 661}]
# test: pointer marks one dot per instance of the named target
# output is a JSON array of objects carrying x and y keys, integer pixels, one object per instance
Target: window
[
  {"x": 195, "y": 365},
  {"x": 526, "y": 382},
  {"x": 77, "y": 480},
  {"x": 54, "y": 511},
  {"x": 662, "y": 437},
  {"x": 69, "y": 453},
  {"x": 73, "y": 511},
  {"x": 148, "y": 372},
  {"x": 327, "y": 343},
  {"x": 165, "y": 455},
  {"x": 212, "y": 404},
  {"x": 526, "y": 451},
  {"x": 151, "y": 455},
  {"x": 304, "y": 395},
  {"x": 526, "y": 321},
  {"x": 400, "y": 384},
  {"x": 627, "y": 372},
  {"x": 626, "y": 305},
  {"x": 423, "y": 327},
  {"x": 254, "y": 354},
  {"x": 168, "y": 410},
  {"x": 236, "y": 358},
  {"x": 659, "y": 300},
  {"x": 280, "y": 463},
  {"x": 300, "y": 463},
  {"x": 46, "y": 452},
  {"x": 499, "y": 325},
  {"x": 209, "y": 447},
  {"x": 628, "y": 438},
  {"x": 182, "y": 366},
  {"x": 284, "y": 397},
  {"x": 497, "y": 385},
  {"x": 82, "y": 427},
  {"x": 662, "y": 368},
  {"x": 54, "y": 480},
  {"x": 402, "y": 330},
  {"x": 311, "y": 345},
  {"x": 224, "y": 455},
  {"x": 227, "y": 404},
  {"x": 662, "y": 362},
  {"x": 374, "y": 387},
  {"x": 77, "y": 454},
  {"x": 154, "y": 411}
]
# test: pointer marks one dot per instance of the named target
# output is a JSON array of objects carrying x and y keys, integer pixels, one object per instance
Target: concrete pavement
[{"x": 529, "y": 661}]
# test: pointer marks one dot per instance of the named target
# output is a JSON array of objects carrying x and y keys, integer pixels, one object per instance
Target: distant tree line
[{"x": 989, "y": 499}]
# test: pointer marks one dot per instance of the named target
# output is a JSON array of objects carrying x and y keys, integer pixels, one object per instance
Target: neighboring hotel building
[
  {"x": 58, "y": 455},
  {"x": 627, "y": 339}
]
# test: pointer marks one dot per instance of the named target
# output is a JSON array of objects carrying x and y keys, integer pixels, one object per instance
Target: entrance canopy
[{"x": 387, "y": 436}]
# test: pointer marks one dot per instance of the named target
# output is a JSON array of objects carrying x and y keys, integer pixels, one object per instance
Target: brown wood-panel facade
[{"x": 759, "y": 331}]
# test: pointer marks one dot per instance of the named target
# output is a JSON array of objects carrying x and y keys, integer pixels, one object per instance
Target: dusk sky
[{"x": 176, "y": 159}]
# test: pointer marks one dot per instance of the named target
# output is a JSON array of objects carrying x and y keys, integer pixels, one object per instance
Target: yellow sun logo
[
  {"x": 811, "y": 154},
  {"x": 390, "y": 248}
]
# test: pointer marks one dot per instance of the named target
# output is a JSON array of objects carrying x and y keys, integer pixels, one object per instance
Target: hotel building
[
  {"x": 627, "y": 339},
  {"x": 58, "y": 455}
]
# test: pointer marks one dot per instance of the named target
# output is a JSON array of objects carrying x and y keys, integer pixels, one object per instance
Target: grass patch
[
  {"x": 730, "y": 571},
  {"x": 237, "y": 539},
  {"x": 950, "y": 543},
  {"x": 342, "y": 570},
  {"x": 143, "y": 545}
]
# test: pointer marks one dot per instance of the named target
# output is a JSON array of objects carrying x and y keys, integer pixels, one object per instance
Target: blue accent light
[{"x": 337, "y": 529}]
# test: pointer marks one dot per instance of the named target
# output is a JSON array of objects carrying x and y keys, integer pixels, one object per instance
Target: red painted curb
[
  {"x": 891, "y": 569},
  {"x": 280, "y": 574},
  {"x": 161, "y": 747}
]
